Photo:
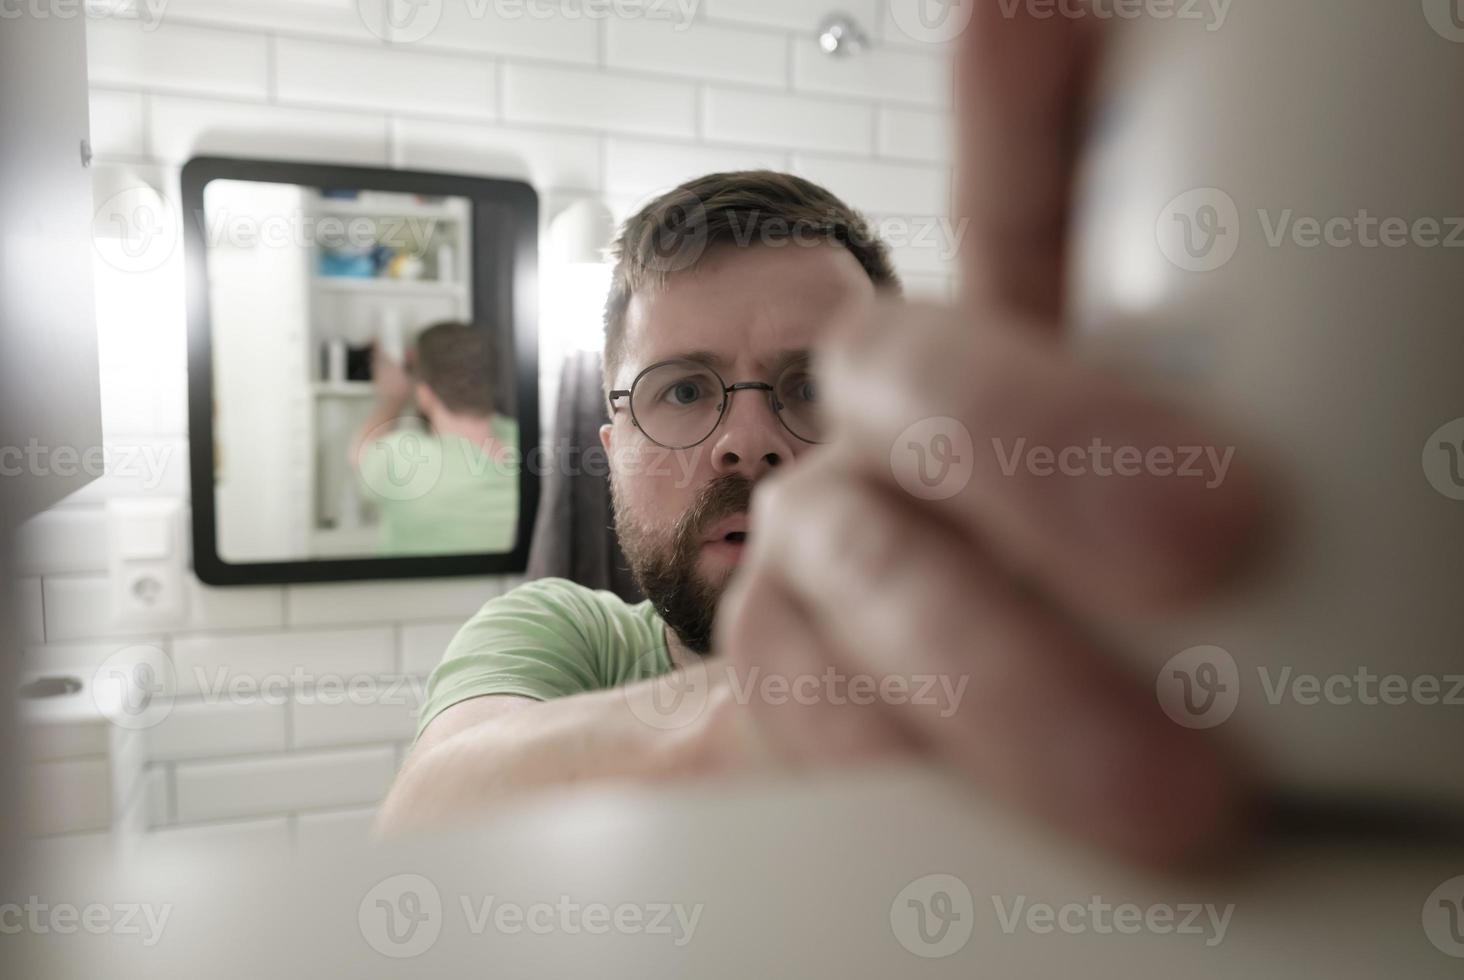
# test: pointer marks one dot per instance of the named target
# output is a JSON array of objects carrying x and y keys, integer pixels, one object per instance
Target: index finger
[{"x": 1020, "y": 78}]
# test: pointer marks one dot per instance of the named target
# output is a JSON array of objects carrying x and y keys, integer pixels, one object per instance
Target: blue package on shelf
[{"x": 347, "y": 265}]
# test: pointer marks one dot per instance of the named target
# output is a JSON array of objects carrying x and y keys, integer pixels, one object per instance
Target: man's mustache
[{"x": 724, "y": 496}]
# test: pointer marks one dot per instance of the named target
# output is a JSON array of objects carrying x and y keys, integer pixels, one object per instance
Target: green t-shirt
[
  {"x": 548, "y": 639},
  {"x": 440, "y": 494}
]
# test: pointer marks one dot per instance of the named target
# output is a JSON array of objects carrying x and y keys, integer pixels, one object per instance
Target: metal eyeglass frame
[{"x": 727, "y": 392}]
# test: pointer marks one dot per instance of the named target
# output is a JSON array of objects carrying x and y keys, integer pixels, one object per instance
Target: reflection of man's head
[
  {"x": 454, "y": 368},
  {"x": 729, "y": 280}
]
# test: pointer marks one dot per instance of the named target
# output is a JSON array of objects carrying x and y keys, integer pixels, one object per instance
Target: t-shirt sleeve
[{"x": 543, "y": 640}]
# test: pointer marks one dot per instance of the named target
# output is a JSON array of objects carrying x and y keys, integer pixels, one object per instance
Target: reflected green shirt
[
  {"x": 548, "y": 639},
  {"x": 439, "y": 494}
]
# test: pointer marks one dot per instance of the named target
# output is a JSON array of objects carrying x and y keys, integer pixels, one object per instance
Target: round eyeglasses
[{"x": 679, "y": 404}]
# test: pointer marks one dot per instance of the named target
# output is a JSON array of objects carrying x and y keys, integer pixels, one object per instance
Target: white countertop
[{"x": 803, "y": 878}]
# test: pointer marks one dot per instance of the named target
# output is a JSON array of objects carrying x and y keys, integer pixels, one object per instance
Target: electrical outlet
[{"x": 147, "y": 562}]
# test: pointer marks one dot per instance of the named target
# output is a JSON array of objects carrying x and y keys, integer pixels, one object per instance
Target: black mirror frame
[{"x": 517, "y": 198}]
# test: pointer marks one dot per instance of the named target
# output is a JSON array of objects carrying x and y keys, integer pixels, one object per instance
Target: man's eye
[
  {"x": 684, "y": 393},
  {"x": 802, "y": 389}
]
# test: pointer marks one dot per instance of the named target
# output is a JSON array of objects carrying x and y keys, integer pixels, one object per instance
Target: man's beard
[{"x": 664, "y": 563}]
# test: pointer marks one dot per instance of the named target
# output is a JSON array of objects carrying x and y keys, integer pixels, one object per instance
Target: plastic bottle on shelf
[{"x": 389, "y": 339}]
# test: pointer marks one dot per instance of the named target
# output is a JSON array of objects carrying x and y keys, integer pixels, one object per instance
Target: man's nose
[{"x": 750, "y": 440}]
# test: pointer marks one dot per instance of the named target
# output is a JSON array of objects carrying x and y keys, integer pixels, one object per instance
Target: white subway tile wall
[{"x": 268, "y": 740}]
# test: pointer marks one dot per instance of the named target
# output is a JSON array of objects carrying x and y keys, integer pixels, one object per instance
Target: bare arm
[
  {"x": 393, "y": 394},
  {"x": 489, "y": 749}
]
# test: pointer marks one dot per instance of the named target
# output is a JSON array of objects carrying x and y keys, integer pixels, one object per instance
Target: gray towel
[{"x": 574, "y": 534}]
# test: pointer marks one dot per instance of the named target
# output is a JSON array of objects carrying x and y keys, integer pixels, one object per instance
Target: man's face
[{"x": 746, "y": 312}]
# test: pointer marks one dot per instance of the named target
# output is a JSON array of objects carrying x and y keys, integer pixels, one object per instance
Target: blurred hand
[
  {"x": 393, "y": 383},
  {"x": 850, "y": 570}
]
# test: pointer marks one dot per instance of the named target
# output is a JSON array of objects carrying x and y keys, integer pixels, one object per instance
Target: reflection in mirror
[{"x": 358, "y": 410}]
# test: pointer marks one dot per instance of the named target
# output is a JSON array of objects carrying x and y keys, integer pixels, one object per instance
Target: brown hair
[
  {"x": 675, "y": 231},
  {"x": 456, "y": 360}
]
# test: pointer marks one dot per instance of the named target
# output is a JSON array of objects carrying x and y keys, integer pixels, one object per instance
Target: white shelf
[
  {"x": 354, "y": 207},
  {"x": 356, "y": 542},
  {"x": 390, "y": 287},
  {"x": 344, "y": 389}
]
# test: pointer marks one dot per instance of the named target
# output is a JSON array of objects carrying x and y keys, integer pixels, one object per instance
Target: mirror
[{"x": 363, "y": 372}]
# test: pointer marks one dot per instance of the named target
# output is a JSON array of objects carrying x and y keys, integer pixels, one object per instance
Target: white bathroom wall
[{"x": 616, "y": 107}]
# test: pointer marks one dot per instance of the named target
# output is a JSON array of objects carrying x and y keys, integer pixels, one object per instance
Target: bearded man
[{"x": 721, "y": 290}]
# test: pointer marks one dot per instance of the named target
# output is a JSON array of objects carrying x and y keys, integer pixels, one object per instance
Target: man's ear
[
  {"x": 426, "y": 400},
  {"x": 605, "y": 431}
]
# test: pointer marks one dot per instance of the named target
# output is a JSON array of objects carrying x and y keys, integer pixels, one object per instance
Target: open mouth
[{"x": 731, "y": 530}]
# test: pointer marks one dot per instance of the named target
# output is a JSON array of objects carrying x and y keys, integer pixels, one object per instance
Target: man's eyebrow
[
  {"x": 712, "y": 358},
  {"x": 704, "y": 356}
]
